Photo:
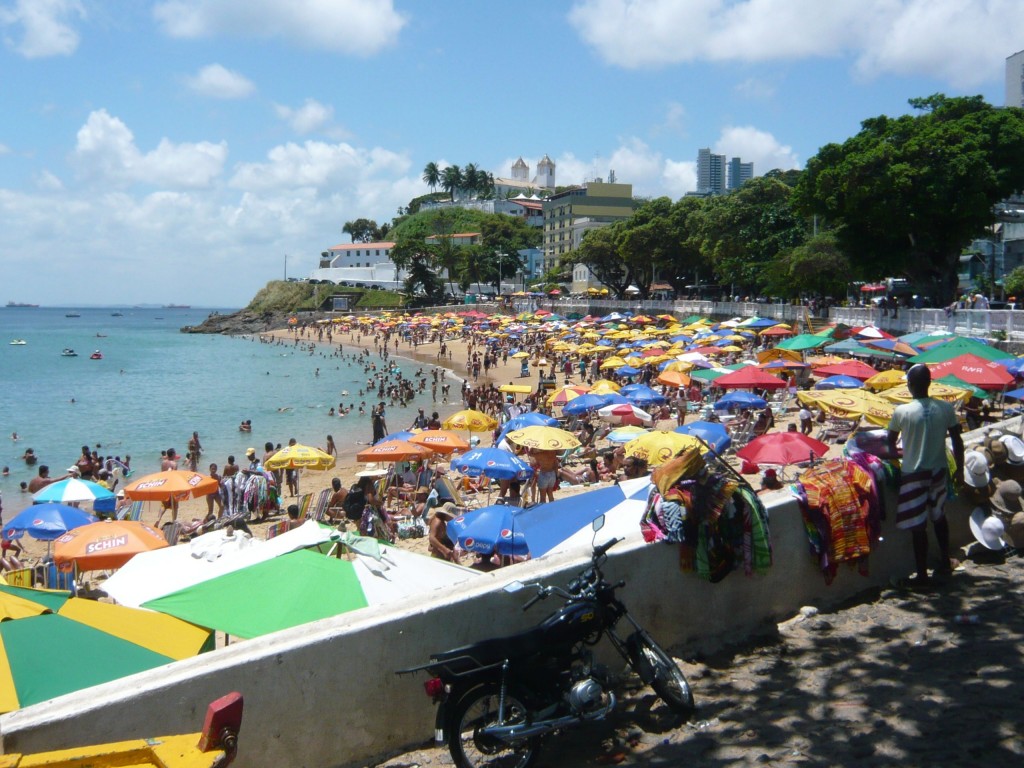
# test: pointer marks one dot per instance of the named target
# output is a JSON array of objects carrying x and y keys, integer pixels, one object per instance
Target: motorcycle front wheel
[
  {"x": 667, "y": 680},
  {"x": 471, "y": 748}
]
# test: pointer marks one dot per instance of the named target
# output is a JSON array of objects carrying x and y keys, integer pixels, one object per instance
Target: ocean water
[{"x": 155, "y": 385}]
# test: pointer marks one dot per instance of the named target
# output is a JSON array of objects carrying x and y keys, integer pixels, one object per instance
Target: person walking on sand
[{"x": 924, "y": 423}]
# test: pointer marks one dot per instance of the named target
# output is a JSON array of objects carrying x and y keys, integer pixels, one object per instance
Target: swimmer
[
  {"x": 14, "y": 435},
  {"x": 284, "y": 409}
]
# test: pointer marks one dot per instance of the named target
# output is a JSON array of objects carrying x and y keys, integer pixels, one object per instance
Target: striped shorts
[{"x": 922, "y": 497}]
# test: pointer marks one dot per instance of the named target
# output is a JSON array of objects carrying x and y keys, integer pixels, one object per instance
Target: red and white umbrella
[{"x": 624, "y": 413}]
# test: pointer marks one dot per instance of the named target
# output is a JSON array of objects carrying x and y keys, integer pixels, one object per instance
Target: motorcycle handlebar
[
  {"x": 534, "y": 600},
  {"x": 601, "y": 550}
]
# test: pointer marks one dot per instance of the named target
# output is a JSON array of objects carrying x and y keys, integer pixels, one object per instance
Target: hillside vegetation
[{"x": 279, "y": 296}]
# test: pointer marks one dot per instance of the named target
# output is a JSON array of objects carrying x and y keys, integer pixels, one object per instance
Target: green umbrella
[
  {"x": 707, "y": 374},
  {"x": 956, "y": 346},
  {"x": 803, "y": 341},
  {"x": 266, "y": 597},
  {"x": 49, "y": 655},
  {"x": 956, "y": 381}
]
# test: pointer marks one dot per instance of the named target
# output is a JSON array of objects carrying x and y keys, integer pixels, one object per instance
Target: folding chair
[
  {"x": 447, "y": 491},
  {"x": 318, "y": 509},
  {"x": 53, "y": 578},
  {"x": 281, "y": 526},
  {"x": 132, "y": 511},
  {"x": 305, "y": 500}
]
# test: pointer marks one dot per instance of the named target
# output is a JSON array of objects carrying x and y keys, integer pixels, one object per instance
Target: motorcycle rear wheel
[
  {"x": 667, "y": 680},
  {"x": 472, "y": 749}
]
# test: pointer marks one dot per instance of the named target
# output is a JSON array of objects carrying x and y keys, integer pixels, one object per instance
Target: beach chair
[
  {"x": 448, "y": 491},
  {"x": 172, "y": 532},
  {"x": 318, "y": 508},
  {"x": 281, "y": 526},
  {"x": 131, "y": 511},
  {"x": 305, "y": 500},
  {"x": 53, "y": 578},
  {"x": 837, "y": 430}
]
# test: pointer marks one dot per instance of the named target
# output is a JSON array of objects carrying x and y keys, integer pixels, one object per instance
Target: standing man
[
  {"x": 380, "y": 427},
  {"x": 924, "y": 423}
]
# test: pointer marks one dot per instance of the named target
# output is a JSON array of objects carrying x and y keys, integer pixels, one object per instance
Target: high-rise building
[
  {"x": 1015, "y": 80},
  {"x": 710, "y": 173},
  {"x": 739, "y": 173}
]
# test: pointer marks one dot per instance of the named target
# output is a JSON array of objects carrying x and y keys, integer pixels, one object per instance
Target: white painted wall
[{"x": 325, "y": 694}]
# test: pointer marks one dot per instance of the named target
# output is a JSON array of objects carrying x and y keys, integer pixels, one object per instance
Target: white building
[
  {"x": 368, "y": 264},
  {"x": 1015, "y": 80},
  {"x": 520, "y": 181}
]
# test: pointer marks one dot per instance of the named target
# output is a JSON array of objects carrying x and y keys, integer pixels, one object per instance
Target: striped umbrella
[{"x": 72, "y": 490}]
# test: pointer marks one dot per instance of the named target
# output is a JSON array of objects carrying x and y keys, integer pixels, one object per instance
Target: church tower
[
  {"x": 545, "y": 173},
  {"x": 520, "y": 171}
]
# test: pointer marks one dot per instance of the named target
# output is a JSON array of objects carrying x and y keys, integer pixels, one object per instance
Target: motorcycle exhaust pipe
[{"x": 510, "y": 733}]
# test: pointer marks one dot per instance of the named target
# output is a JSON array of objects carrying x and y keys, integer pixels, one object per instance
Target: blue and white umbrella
[
  {"x": 490, "y": 529},
  {"x": 585, "y": 404},
  {"x": 493, "y": 463},
  {"x": 46, "y": 522},
  {"x": 71, "y": 490}
]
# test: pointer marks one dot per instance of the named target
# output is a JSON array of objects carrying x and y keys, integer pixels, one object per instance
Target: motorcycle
[{"x": 498, "y": 697}]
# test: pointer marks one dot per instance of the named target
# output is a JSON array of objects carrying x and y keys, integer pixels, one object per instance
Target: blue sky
[{"x": 177, "y": 150}]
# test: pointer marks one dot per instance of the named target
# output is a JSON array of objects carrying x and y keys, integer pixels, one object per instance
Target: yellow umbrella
[
  {"x": 886, "y": 380},
  {"x": 613, "y": 362},
  {"x": 945, "y": 392},
  {"x": 543, "y": 438},
  {"x": 659, "y": 446},
  {"x": 850, "y": 403},
  {"x": 516, "y": 389},
  {"x": 679, "y": 365},
  {"x": 470, "y": 420},
  {"x": 297, "y": 455},
  {"x": 520, "y": 355},
  {"x": 565, "y": 394}
]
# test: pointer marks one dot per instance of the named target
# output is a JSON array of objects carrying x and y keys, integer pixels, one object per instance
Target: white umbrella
[
  {"x": 624, "y": 413},
  {"x": 72, "y": 490}
]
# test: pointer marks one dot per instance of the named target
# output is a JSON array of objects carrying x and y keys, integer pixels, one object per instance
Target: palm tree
[
  {"x": 451, "y": 180},
  {"x": 431, "y": 175},
  {"x": 485, "y": 184},
  {"x": 471, "y": 177}
]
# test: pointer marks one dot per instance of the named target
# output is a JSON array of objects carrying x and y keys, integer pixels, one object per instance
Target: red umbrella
[
  {"x": 782, "y": 448},
  {"x": 749, "y": 377},
  {"x": 854, "y": 368},
  {"x": 975, "y": 370}
]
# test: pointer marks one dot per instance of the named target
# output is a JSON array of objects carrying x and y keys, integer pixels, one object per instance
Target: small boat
[
  {"x": 101, "y": 335},
  {"x": 97, "y": 355},
  {"x": 68, "y": 352},
  {"x": 215, "y": 745},
  {"x": 72, "y": 314},
  {"x": 18, "y": 342},
  {"x": 117, "y": 314}
]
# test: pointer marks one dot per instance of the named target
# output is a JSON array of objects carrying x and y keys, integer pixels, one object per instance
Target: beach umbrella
[
  {"x": 515, "y": 389},
  {"x": 470, "y": 420},
  {"x": 490, "y": 529},
  {"x": 768, "y": 355},
  {"x": 804, "y": 341},
  {"x": 850, "y": 403},
  {"x": 566, "y": 394},
  {"x": 892, "y": 345},
  {"x": 440, "y": 441},
  {"x": 1014, "y": 365},
  {"x": 46, "y": 522},
  {"x": 673, "y": 378},
  {"x": 493, "y": 463},
  {"x": 105, "y": 545},
  {"x": 625, "y": 434},
  {"x": 626, "y": 370},
  {"x": 172, "y": 484},
  {"x": 853, "y": 368},
  {"x": 975, "y": 370},
  {"x": 839, "y": 382},
  {"x": 953, "y": 391},
  {"x": 643, "y": 396},
  {"x": 782, "y": 448},
  {"x": 740, "y": 400},
  {"x": 405, "y": 434},
  {"x": 624, "y": 413},
  {"x": 749, "y": 377},
  {"x": 394, "y": 450},
  {"x": 711, "y": 432},
  {"x": 957, "y": 383},
  {"x": 520, "y": 355},
  {"x": 604, "y": 387},
  {"x": 956, "y": 346},
  {"x": 585, "y": 404},
  {"x": 886, "y": 380},
  {"x": 659, "y": 446},
  {"x": 543, "y": 438},
  {"x": 296, "y": 456},
  {"x": 72, "y": 489}
]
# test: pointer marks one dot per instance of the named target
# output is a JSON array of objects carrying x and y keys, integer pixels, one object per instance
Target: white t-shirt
[
  {"x": 805, "y": 415},
  {"x": 923, "y": 423}
]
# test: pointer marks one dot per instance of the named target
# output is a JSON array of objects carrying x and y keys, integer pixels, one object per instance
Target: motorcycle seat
[{"x": 491, "y": 651}]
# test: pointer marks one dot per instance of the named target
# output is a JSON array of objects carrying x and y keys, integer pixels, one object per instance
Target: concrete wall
[{"x": 326, "y": 694}]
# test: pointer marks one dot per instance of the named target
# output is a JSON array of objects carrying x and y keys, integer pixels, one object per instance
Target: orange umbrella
[
  {"x": 173, "y": 484},
  {"x": 394, "y": 450},
  {"x": 440, "y": 441},
  {"x": 106, "y": 544},
  {"x": 673, "y": 379}
]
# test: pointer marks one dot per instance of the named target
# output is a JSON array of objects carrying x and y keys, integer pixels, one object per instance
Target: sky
[{"x": 188, "y": 151}]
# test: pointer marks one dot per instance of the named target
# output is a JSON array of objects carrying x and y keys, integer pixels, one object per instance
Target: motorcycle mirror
[
  {"x": 512, "y": 587},
  {"x": 598, "y": 523}
]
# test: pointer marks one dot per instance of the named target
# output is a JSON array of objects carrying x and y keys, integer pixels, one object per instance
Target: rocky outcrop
[{"x": 240, "y": 323}]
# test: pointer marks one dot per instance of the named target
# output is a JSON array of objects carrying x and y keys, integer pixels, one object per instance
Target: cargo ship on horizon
[
  {"x": 21, "y": 305},
  {"x": 177, "y": 306}
]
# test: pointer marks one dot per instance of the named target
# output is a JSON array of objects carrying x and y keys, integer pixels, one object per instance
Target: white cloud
[
  {"x": 759, "y": 147},
  {"x": 48, "y": 182},
  {"x": 4, "y": 149},
  {"x": 218, "y": 82},
  {"x": 311, "y": 117},
  {"x": 680, "y": 177},
  {"x": 45, "y": 26},
  {"x": 963, "y": 42},
  {"x": 105, "y": 153},
  {"x": 358, "y": 27}
]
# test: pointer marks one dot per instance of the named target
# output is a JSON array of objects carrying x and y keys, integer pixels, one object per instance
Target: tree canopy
[{"x": 906, "y": 194}]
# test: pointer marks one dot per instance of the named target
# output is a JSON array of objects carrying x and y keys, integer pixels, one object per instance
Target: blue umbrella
[
  {"x": 645, "y": 396},
  {"x": 46, "y": 522},
  {"x": 839, "y": 382},
  {"x": 490, "y": 529},
  {"x": 613, "y": 398},
  {"x": 1016, "y": 394},
  {"x": 1014, "y": 365},
  {"x": 584, "y": 404},
  {"x": 627, "y": 370},
  {"x": 493, "y": 463},
  {"x": 740, "y": 400},
  {"x": 630, "y": 388},
  {"x": 712, "y": 433},
  {"x": 403, "y": 435}
]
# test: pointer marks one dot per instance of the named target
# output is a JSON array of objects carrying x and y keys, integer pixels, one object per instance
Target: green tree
[
  {"x": 470, "y": 178},
  {"x": 362, "y": 230},
  {"x": 451, "y": 180},
  {"x": 599, "y": 250},
  {"x": 907, "y": 194},
  {"x": 1013, "y": 283},
  {"x": 817, "y": 267},
  {"x": 431, "y": 175}
]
